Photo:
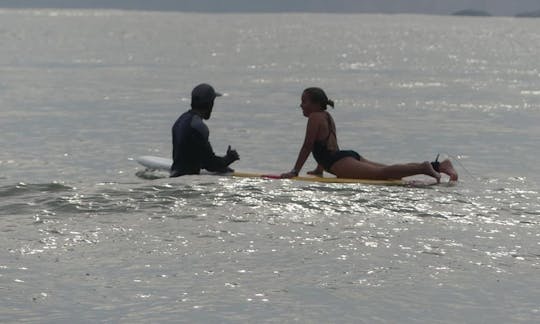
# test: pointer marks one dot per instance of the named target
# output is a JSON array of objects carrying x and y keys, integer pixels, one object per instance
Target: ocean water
[{"x": 83, "y": 239}]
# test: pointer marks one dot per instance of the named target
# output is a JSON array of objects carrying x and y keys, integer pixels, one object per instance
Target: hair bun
[{"x": 318, "y": 96}]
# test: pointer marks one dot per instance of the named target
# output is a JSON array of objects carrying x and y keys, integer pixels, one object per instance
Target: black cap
[{"x": 204, "y": 93}]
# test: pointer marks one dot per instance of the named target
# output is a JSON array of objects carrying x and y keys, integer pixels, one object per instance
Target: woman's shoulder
[{"x": 317, "y": 116}]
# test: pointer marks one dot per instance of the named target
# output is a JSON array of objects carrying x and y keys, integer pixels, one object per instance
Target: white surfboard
[{"x": 155, "y": 162}]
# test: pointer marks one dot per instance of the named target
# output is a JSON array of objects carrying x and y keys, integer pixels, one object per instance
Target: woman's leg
[
  {"x": 445, "y": 167},
  {"x": 351, "y": 168},
  {"x": 372, "y": 163}
]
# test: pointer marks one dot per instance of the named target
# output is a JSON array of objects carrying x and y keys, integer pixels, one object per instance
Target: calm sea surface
[{"x": 83, "y": 239}]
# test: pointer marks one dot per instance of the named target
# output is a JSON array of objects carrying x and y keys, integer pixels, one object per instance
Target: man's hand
[{"x": 232, "y": 155}]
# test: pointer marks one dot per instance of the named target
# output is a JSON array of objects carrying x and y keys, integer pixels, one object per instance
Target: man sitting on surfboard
[
  {"x": 191, "y": 149},
  {"x": 321, "y": 140}
]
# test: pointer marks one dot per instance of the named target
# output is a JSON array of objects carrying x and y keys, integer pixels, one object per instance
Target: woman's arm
[{"x": 312, "y": 130}]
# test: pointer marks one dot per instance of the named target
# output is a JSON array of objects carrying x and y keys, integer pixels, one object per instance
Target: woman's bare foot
[
  {"x": 428, "y": 170},
  {"x": 447, "y": 168}
]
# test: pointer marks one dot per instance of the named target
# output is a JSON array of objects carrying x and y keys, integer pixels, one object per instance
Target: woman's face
[{"x": 309, "y": 106}]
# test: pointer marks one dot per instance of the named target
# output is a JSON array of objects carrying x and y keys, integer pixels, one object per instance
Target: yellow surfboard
[
  {"x": 322, "y": 179},
  {"x": 164, "y": 164}
]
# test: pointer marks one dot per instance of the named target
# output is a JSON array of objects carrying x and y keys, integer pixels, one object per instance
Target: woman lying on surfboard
[{"x": 321, "y": 140}]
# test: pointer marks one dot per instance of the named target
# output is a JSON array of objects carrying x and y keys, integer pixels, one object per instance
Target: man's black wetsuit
[{"x": 192, "y": 150}]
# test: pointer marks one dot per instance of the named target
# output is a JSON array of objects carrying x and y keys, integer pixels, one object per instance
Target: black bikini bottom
[{"x": 327, "y": 164}]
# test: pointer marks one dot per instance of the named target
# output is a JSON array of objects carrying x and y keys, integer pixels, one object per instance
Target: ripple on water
[{"x": 27, "y": 189}]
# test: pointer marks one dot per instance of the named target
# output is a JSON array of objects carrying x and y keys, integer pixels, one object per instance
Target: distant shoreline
[{"x": 175, "y": 7}]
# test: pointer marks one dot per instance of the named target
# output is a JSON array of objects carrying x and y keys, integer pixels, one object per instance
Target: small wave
[
  {"x": 531, "y": 92},
  {"x": 151, "y": 174},
  {"x": 24, "y": 189}
]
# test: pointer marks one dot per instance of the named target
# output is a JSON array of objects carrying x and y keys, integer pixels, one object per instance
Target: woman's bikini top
[
  {"x": 326, "y": 157},
  {"x": 321, "y": 153}
]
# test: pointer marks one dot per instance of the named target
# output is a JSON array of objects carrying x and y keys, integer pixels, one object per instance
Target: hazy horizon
[{"x": 443, "y": 7}]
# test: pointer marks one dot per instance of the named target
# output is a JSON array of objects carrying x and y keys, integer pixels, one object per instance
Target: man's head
[{"x": 202, "y": 99}]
